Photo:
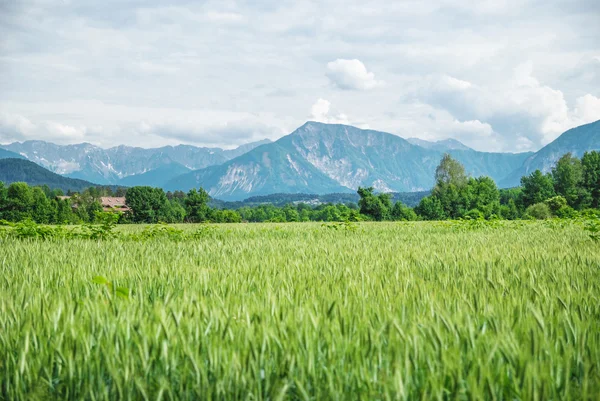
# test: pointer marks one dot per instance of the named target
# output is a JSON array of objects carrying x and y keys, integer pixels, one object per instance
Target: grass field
[{"x": 373, "y": 311}]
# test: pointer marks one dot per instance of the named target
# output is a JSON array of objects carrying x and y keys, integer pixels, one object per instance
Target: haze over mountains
[{"x": 316, "y": 158}]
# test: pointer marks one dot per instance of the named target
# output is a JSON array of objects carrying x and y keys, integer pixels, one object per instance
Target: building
[{"x": 109, "y": 203}]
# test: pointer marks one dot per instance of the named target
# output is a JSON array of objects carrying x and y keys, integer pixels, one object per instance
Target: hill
[
  {"x": 577, "y": 140},
  {"x": 20, "y": 170},
  {"x": 7, "y": 154}
]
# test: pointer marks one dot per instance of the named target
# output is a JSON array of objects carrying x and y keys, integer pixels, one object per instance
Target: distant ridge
[
  {"x": 109, "y": 166},
  {"x": 20, "y": 170},
  {"x": 442, "y": 145}
]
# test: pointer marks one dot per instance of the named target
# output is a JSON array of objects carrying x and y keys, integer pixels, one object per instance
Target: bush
[
  {"x": 566, "y": 212},
  {"x": 590, "y": 213},
  {"x": 539, "y": 211},
  {"x": 556, "y": 203},
  {"x": 474, "y": 214}
]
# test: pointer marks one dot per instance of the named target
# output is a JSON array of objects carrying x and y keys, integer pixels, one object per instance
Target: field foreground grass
[{"x": 370, "y": 311}]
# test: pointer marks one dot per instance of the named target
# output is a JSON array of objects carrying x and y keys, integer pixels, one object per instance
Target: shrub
[
  {"x": 474, "y": 214},
  {"x": 556, "y": 203},
  {"x": 539, "y": 211},
  {"x": 566, "y": 212}
]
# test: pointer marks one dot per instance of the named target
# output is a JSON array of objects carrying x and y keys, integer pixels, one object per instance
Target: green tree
[
  {"x": 484, "y": 196},
  {"x": 146, "y": 203},
  {"x": 41, "y": 208},
  {"x": 449, "y": 171},
  {"x": 510, "y": 211},
  {"x": 451, "y": 187},
  {"x": 537, "y": 187},
  {"x": 590, "y": 163},
  {"x": 196, "y": 206},
  {"x": 19, "y": 202},
  {"x": 377, "y": 207},
  {"x": 430, "y": 208},
  {"x": 64, "y": 212},
  {"x": 291, "y": 213},
  {"x": 568, "y": 177},
  {"x": 401, "y": 212}
]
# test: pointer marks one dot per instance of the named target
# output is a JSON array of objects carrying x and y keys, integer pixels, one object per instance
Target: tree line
[{"x": 571, "y": 188}]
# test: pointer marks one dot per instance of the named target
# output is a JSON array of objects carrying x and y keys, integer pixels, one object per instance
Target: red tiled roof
[{"x": 108, "y": 203}]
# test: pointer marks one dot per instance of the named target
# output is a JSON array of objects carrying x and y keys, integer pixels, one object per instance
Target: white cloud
[
  {"x": 320, "y": 111},
  {"x": 523, "y": 109},
  {"x": 66, "y": 132},
  {"x": 14, "y": 127},
  {"x": 351, "y": 74}
]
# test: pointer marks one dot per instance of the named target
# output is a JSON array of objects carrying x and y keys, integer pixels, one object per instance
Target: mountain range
[
  {"x": 109, "y": 166},
  {"x": 316, "y": 158},
  {"x": 326, "y": 158}
]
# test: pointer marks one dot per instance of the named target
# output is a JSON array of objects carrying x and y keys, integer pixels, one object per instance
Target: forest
[{"x": 570, "y": 189}]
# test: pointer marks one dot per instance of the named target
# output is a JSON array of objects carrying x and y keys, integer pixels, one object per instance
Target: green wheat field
[{"x": 370, "y": 311}]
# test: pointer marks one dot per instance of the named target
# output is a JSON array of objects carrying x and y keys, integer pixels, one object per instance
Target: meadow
[{"x": 304, "y": 311}]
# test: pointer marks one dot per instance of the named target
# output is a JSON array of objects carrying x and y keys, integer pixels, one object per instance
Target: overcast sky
[{"x": 498, "y": 75}]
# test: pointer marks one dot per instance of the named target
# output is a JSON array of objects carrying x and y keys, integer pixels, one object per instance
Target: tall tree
[
  {"x": 196, "y": 206},
  {"x": 20, "y": 200},
  {"x": 41, "y": 208},
  {"x": 378, "y": 207},
  {"x": 451, "y": 187},
  {"x": 146, "y": 203},
  {"x": 484, "y": 196},
  {"x": 568, "y": 176},
  {"x": 590, "y": 163},
  {"x": 449, "y": 171},
  {"x": 537, "y": 187}
]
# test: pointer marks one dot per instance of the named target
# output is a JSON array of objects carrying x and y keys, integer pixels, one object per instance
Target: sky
[{"x": 497, "y": 75}]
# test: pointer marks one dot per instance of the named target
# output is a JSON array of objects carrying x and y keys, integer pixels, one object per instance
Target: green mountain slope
[
  {"x": 20, "y": 170},
  {"x": 7, "y": 154}
]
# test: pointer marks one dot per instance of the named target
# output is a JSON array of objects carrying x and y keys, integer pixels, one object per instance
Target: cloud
[
  {"x": 351, "y": 75},
  {"x": 320, "y": 111},
  {"x": 221, "y": 73},
  {"x": 14, "y": 127},
  {"x": 524, "y": 111}
]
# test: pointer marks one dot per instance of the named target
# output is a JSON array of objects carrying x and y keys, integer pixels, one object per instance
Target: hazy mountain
[
  {"x": 21, "y": 170},
  {"x": 109, "y": 166},
  {"x": 324, "y": 158},
  {"x": 442, "y": 145},
  {"x": 6, "y": 154},
  {"x": 576, "y": 140},
  {"x": 157, "y": 177}
]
